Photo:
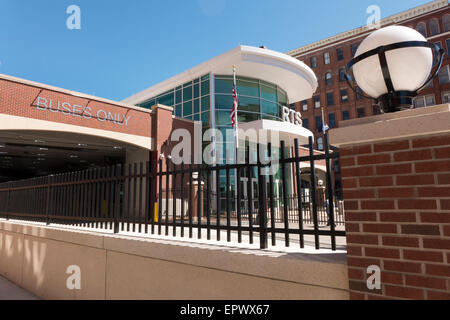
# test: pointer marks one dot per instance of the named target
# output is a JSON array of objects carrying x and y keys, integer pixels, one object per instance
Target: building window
[
  {"x": 332, "y": 119},
  {"x": 425, "y": 101},
  {"x": 326, "y": 58},
  {"x": 340, "y": 54},
  {"x": 318, "y": 123},
  {"x": 447, "y": 43},
  {"x": 354, "y": 47},
  {"x": 344, "y": 96},
  {"x": 361, "y": 112},
  {"x": 444, "y": 76},
  {"x": 317, "y": 102},
  {"x": 376, "y": 109},
  {"x": 446, "y": 97},
  {"x": 305, "y": 105},
  {"x": 306, "y": 123},
  {"x": 345, "y": 115},
  {"x": 422, "y": 28},
  {"x": 313, "y": 62},
  {"x": 328, "y": 79},
  {"x": 320, "y": 144},
  {"x": 341, "y": 75},
  {"x": 358, "y": 93},
  {"x": 330, "y": 98},
  {"x": 434, "y": 27},
  {"x": 435, "y": 58},
  {"x": 292, "y": 106},
  {"x": 446, "y": 22}
]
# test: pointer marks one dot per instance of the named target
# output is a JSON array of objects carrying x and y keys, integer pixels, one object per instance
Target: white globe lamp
[{"x": 392, "y": 64}]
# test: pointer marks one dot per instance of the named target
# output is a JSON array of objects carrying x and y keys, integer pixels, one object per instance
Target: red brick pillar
[{"x": 396, "y": 185}]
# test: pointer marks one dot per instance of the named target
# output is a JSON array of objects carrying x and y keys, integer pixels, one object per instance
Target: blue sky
[{"x": 125, "y": 46}]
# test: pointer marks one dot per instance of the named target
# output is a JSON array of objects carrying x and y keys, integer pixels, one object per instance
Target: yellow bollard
[{"x": 156, "y": 212}]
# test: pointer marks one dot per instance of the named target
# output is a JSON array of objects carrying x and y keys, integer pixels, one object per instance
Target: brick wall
[
  {"x": 19, "y": 99},
  {"x": 397, "y": 201}
]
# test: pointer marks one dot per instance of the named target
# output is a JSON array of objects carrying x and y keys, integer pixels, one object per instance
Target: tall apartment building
[{"x": 329, "y": 57}]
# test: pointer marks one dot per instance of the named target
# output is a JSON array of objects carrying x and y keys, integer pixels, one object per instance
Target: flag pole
[{"x": 236, "y": 126}]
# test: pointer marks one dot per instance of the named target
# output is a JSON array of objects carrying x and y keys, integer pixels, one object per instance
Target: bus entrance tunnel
[{"x": 29, "y": 154}]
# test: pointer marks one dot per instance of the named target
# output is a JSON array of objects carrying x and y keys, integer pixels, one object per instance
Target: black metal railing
[{"x": 188, "y": 200}]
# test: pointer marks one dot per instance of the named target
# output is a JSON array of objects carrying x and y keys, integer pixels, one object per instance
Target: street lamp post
[{"x": 392, "y": 64}]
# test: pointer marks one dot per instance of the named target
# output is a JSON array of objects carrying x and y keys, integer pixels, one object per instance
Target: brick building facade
[{"x": 329, "y": 57}]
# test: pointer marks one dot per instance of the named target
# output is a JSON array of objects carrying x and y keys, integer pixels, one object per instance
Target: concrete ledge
[
  {"x": 123, "y": 267},
  {"x": 415, "y": 122}
]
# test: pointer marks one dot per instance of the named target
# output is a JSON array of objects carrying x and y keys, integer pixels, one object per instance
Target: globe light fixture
[{"x": 392, "y": 64}]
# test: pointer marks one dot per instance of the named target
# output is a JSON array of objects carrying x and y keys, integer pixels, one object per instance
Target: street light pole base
[{"x": 397, "y": 101}]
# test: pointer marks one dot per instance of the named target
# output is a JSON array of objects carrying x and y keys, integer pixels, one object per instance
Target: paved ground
[{"x": 9, "y": 291}]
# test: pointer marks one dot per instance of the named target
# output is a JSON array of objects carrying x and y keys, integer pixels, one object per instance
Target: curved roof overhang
[
  {"x": 276, "y": 131},
  {"x": 292, "y": 75}
]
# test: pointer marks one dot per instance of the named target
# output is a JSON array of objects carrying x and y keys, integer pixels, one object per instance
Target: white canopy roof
[
  {"x": 290, "y": 74},
  {"x": 284, "y": 131}
]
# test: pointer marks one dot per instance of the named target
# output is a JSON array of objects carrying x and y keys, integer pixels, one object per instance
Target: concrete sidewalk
[{"x": 9, "y": 291}]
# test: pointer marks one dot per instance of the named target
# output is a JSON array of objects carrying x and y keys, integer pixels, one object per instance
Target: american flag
[{"x": 235, "y": 107}]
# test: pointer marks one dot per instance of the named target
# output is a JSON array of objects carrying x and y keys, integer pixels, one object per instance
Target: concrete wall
[{"x": 116, "y": 267}]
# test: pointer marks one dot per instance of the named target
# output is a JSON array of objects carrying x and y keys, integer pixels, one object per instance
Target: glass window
[
  {"x": 424, "y": 101},
  {"x": 344, "y": 95},
  {"x": 178, "y": 111},
  {"x": 320, "y": 144},
  {"x": 313, "y": 62},
  {"x": 248, "y": 104},
  {"x": 354, "y": 48},
  {"x": 446, "y": 22},
  {"x": 282, "y": 97},
  {"x": 270, "y": 108},
  {"x": 246, "y": 88},
  {"x": 187, "y": 93},
  {"x": 446, "y": 97},
  {"x": 178, "y": 96},
  {"x": 328, "y": 78},
  {"x": 444, "y": 76},
  {"x": 316, "y": 102},
  {"x": 330, "y": 98},
  {"x": 247, "y": 117},
  {"x": 205, "y": 77},
  {"x": 224, "y": 102},
  {"x": 340, "y": 54},
  {"x": 167, "y": 99},
  {"x": 358, "y": 93},
  {"x": 318, "y": 123},
  {"x": 187, "y": 109},
  {"x": 345, "y": 115},
  {"x": 332, "y": 119},
  {"x": 268, "y": 92},
  {"x": 306, "y": 123},
  {"x": 341, "y": 75},
  {"x": 326, "y": 58},
  {"x": 434, "y": 27},
  {"x": 205, "y": 117},
  {"x": 361, "y": 112},
  {"x": 205, "y": 103},
  {"x": 447, "y": 43},
  {"x": 205, "y": 88},
  {"x": 305, "y": 105},
  {"x": 196, "y": 90},
  {"x": 422, "y": 28},
  {"x": 196, "y": 105},
  {"x": 435, "y": 58},
  {"x": 224, "y": 85},
  {"x": 376, "y": 109}
]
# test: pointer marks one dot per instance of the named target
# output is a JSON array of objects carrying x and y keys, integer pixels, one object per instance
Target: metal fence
[{"x": 164, "y": 199}]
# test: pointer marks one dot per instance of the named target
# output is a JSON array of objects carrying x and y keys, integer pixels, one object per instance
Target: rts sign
[{"x": 292, "y": 116}]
